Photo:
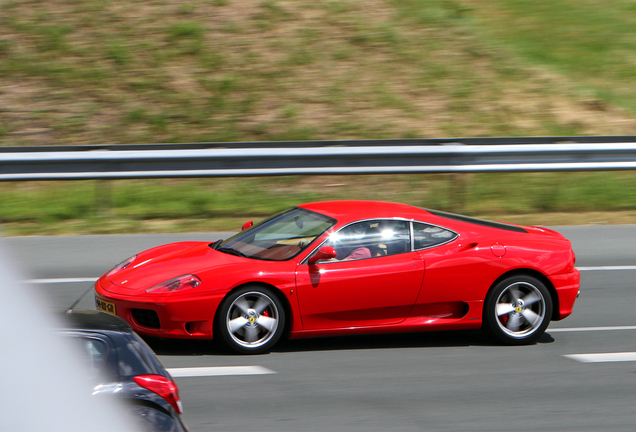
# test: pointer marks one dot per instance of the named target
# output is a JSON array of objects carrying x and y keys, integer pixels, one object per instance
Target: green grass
[
  {"x": 421, "y": 68},
  {"x": 220, "y": 204},
  {"x": 592, "y": 42},
  {"x": 153, "y": 71}
]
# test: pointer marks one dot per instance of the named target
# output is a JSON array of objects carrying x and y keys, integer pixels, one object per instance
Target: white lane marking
[
  {"x": 63, "y": 280},
  {"x": 588, "y": 329},
  {"x": 606, "y": 268},
  {"x": 603, "y": 357},
  {"x": 219, "y": 371}
]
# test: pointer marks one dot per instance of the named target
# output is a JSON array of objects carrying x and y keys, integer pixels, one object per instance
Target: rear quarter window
[{"x": 426, "y": 236}]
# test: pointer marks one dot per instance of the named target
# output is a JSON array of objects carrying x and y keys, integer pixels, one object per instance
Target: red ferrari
[{"x": 348, "y": 267}]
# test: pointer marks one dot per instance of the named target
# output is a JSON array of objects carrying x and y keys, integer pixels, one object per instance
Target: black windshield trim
[{"x": 477, "y": 221}]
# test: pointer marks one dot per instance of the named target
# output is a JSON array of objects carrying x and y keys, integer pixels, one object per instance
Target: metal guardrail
[{"x": 470, "y": 155}]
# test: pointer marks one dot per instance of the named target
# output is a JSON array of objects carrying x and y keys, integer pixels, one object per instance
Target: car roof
[
  {"x": 346, "y": 211},
  {"x": 349, "y": 210},
  {"x": 93, "y": 320}
]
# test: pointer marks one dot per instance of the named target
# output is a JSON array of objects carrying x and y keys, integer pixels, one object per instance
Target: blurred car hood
[{"x": 166, "y": 262}]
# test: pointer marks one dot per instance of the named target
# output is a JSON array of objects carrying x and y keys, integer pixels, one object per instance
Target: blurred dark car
[{"x": 122, "y": 365}]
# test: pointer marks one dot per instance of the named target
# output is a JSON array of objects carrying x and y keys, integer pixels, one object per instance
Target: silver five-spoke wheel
[
  {"x": 252, "y": 320},
  {"x": 517, "y": 310},
  {"x": 520, "y": 309}
]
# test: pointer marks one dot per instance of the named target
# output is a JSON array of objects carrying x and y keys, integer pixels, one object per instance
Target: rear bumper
[
  {"x": 567, "y": 287},
  {"x": 184, "y": 318}
]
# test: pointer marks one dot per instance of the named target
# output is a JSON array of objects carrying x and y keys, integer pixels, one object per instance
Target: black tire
[
  {"x": 517, "y": 310},
  {"x": 251, "y": 320}
]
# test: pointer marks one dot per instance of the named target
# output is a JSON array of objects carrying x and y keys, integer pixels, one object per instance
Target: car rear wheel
[
  {"x": 251, "y": 320},
  {"x": 517, "y": 310}
]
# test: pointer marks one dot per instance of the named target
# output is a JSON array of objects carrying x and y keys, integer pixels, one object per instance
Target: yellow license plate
[{"x": 103, "y": 305}]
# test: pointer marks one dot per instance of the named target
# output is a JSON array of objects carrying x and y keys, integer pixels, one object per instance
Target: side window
[
  {"x": 371, "y": 239},
  {"x": 426, "y": 236},
  {"x": 93, "y": 352}
]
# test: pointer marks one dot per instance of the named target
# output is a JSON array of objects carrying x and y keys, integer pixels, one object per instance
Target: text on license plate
[{"x": 105, "y": 306}]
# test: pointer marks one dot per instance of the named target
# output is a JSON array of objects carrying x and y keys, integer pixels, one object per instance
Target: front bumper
[{"x": 176, "y": 316}]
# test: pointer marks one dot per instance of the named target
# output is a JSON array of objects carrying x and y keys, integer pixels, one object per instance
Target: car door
[{"x": 374, "y": 280}]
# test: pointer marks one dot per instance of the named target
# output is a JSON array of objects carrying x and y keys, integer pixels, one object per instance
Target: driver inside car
[
  {"x": 359, "y": 253},
  {"x": 357, "y": 241}
]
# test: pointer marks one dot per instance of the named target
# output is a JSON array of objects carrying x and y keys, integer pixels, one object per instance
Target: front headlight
[
  {"x": 177, "y": 284},
  {"x": 122, "y": 265}
]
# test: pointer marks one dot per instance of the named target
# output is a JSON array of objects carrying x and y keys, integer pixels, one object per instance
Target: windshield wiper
[{"x": 231, "y": 251}]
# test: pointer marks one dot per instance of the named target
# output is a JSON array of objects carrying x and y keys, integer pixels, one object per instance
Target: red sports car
[{"x": 343, "y": 267}]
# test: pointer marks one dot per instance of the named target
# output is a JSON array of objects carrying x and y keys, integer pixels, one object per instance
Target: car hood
[{"x": 163, "y": 263}]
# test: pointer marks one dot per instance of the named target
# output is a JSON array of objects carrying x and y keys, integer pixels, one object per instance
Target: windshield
[{"x": 279, "y": 237}]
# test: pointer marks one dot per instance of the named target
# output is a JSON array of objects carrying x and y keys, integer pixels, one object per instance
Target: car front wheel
[
  {"x": 251, "y": 320},
  {"x": 517, "y": 310}
]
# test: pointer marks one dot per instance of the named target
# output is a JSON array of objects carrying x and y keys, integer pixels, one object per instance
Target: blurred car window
[
  {"x": 371, "y": 239},
  {"x": 140, "y": 359},
  {"x": 94, "y": 351},
  {"x": 426, "y": 236}
]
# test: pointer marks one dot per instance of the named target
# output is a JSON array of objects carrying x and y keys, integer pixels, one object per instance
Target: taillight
[{"x": 164, "y": 387}]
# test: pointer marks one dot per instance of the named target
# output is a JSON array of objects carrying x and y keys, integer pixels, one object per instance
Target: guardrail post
[
  {"x": 458, "y": 192},
  {"x": 103, "y": 191}
]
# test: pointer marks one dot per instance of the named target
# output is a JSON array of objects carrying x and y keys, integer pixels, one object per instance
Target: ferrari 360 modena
[{"x": 348, "y": 267}]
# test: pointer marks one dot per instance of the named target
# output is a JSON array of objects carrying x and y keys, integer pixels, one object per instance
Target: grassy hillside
[
  {"x": 592, "y": 43},
  {"x": 150, "y": 71},
  {"x": 100, "y": 71}
]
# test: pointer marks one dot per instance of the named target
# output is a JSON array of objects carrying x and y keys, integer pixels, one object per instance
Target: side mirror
[
  {"x": 246, "y": 225},
  {"x": 324, "y": 253}
]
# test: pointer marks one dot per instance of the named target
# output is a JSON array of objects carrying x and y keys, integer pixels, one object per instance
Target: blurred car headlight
[{"x": 177, "y": 284}]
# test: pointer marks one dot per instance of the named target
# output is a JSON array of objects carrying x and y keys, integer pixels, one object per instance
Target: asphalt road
[{"x": 455, "y": 381}]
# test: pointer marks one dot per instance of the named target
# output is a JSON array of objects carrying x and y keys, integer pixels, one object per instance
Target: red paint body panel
[
  {"x": 567, "y": 288},
  {"x": 357, "y": 294},
  {"x": 442, "y": 287}
]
